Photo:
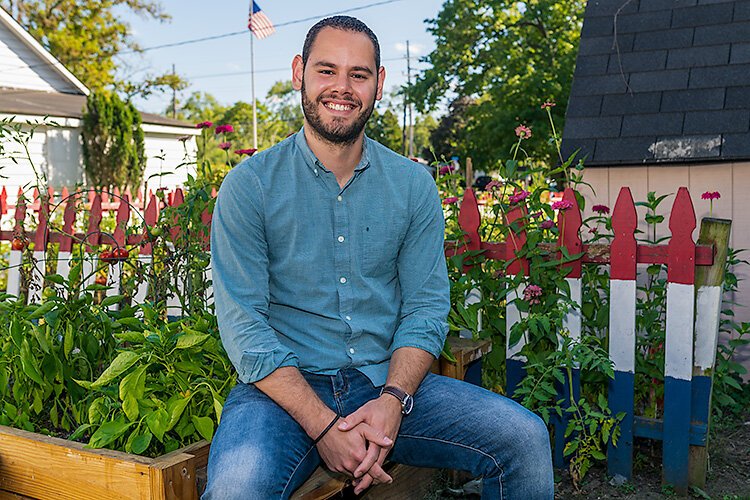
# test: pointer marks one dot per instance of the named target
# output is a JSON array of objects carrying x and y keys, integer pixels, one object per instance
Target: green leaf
[
  {"x": 68, "y": 340},
  {"x": 108, "y": 433},
  {"x": 55, "y": 278},
  {"x": 28, "y": 363},
  {"x": 598, "y": 455},
  {"x": 141, "y": 442},
  {"x": 97, "y": 410},
  {"x": 204, "y": 426},
  {"x": 157, "y": 422},
  {"x": 111, "y": 300},
  {"x": 191, "y": 338},
  {"x": 42, "y": 310},
  {"x": 119, "y": 365},
  {"x": 131, "y": 336},
  {"x": 131, "y": 322},
  {"x": 175, "y": 406},
  {"x": 41, "y": 338}
]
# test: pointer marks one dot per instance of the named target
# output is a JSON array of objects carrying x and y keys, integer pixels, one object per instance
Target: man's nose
[{"x": 342, "y": 83}]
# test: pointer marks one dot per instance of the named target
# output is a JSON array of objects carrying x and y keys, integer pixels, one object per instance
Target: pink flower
[
  {"x": 225, "y": 145},
  {"x": 600, "y": 209},
  {"x": 206, "y": 124},
  {"x": 593, "y": 230},
  {"x": 446, "y": 169},
  {"x": 248, "y": 152},
  {"x": 523, "y": 131},
  {"x": 518, "y": 197},
  {"x": 451, "y": 200},
  {"x": 562, "y": 205},
  {"x": 548, "y": 104},
  {"x": 224, "y": 129},
  {"x": 547, "y": 224},
  {"x": 493, "y": 185},
  {"x": 708, "y": 195},
  {"x": 532, "y": 294},
  {"x": 535, "y": 215}
]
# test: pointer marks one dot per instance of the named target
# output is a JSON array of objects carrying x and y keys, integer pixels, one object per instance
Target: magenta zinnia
[
  {"x": 446, "y": 169},
  {"x": 248, "y": 152},
  {"x": 548, "y": 104},
  {"x": 600, "y": 209},
  {"x": 562, "y": 205},
  {"x": 523, "y": 131},
  {"x": 547, "y": 224},
  {"x": 451, "y": 200},
  {"x": 224, "y": 129},
  {"x": 518, "y": 197},
  {"x": 532, "y": 294},
  {"x": 225, "y": 145},
  {"x": 206, "y": 124},
  {"x": 711, "y": 195}
]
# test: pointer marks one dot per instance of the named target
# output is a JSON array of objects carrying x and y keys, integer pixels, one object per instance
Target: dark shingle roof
[
  {"x": 35, "y": 102},
  {"x": 673, "y": 84}
]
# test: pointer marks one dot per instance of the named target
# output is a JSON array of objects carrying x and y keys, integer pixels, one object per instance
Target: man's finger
[
  {"x": 362, "y": 484},
  {"x": 373, "y": 453},
  {"x": 378, "y": 474},
  {"x": 351, "y": 421},
  {"x": 375, "y": 436}
]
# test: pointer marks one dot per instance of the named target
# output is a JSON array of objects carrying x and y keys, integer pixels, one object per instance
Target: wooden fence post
[
  {"x": 708, "y": 284},
  {"x": 678, "y": 345},
  {"x": 622, "y": 291}
]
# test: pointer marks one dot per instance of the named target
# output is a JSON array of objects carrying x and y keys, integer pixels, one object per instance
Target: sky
[{"x": 221, "y": 66}]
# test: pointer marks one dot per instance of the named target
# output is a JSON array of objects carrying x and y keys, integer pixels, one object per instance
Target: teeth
[{"x": 338, "y": 107}]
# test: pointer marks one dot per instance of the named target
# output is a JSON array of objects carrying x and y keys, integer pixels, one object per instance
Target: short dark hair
[{"x": 345, "y": 23}]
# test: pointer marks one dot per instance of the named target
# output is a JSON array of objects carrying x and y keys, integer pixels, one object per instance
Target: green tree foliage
[
  {"x": 509, "y": 57},
  {"x": 84, "y": 35},
  {"x": 423, "y": 127},
  {"x": 113, "y": 151},
  {"x": 384, "y": 128},
  {"x": 448, "y": 138},
  {"x": 284, "y": 102}
]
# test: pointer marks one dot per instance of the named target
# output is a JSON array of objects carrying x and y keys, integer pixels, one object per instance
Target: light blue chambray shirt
[{"x": 311, "y": 275}]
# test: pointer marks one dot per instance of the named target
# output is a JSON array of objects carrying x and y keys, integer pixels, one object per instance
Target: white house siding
[
  {"x": 21, "y": 67},
  {"x": 731, "y": 179},
  {"x": 168, "y": 163},
  {"x": 15, "y": 167}
]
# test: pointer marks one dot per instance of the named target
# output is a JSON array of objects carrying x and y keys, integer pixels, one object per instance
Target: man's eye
[
  {"x": 358, "y": 76},
  {"x": 326, "y": 72}
]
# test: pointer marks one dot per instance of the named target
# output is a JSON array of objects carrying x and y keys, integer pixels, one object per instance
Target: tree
[
  {"x": 448, "y": 138},
  {"x": 113, "y": 151},
  {"x": 509, "y": 57},
  {"x": 284, "y": 102},
  {"x": 423, "y": 127},
  {"x": 84, "y": 35},
  {"x": 384, "y": 128}
]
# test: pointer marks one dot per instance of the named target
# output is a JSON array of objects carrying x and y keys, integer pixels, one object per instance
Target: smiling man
[{"x": 332, "y": 295}]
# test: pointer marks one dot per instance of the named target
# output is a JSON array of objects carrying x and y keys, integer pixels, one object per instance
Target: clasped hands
[{"x": 358, "y": 445}]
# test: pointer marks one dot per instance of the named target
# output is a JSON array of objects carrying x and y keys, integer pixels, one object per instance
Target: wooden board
[{"x": 45, "y": 467}]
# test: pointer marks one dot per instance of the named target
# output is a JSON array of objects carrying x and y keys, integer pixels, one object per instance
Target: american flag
[{"x": 259, "y": 23}]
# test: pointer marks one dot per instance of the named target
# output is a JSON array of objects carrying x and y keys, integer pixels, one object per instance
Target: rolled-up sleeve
[
  {"x": 239, "y": 259},
  {"x": 422, "y": 273}
]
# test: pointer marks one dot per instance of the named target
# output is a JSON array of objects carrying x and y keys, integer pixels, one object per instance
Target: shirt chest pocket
[{"x": 381, "y": 242}]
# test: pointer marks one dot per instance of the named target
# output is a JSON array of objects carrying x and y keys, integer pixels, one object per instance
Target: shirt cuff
[
  {"x": 255, "y": 365},
  {"x": 423, "y": 333}
]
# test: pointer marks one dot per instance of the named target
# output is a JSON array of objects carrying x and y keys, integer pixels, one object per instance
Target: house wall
[
  {"x": 730, "y": 179},
  {"x": 168, "y": 160},
  {"x": 21, "y": 67}
]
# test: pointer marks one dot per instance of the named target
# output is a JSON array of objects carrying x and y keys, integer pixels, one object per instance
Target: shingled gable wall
[{"x": 661, "y": 99}]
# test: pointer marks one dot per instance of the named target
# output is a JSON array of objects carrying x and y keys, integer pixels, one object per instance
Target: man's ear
[
  {"x": 297, "y": 71},
  {"x": 381, "y": 81}
]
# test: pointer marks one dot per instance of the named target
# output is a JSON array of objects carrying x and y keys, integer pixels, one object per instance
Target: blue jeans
[{"x": 260, "y": 452}]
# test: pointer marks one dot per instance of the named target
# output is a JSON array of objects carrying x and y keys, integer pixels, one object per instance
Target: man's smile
[{"x": 339, "y": 106}]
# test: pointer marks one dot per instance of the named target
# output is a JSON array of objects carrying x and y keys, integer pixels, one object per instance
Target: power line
[{"x": 214, "y": 37}]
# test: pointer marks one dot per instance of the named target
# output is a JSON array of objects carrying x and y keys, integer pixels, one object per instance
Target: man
[{"x": 332, "y": 296}]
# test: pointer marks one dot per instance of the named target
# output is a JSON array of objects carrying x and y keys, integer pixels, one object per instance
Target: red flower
[
  {"x": 248, "y": 152},
  {"x": 446, "y": 169},
  {"x": 451, "y": 200},
  {"x": 600, "y": 209},
  {"x": 518, "y": 197},
  {"x": 493, "y": 185},
  {"x": 562, "y": 205},
  {"x": 225, "y": 145},
  {"x": 548, "y": 104},
  {"x": 206, "y": 124},
  {"x": 523, "y": 131},
  {"x": 547, "y": 224},
  {"x": 224, "y": 129},
  {"x": 532, "y": 294},
  {"x": 709, "y": 195}
]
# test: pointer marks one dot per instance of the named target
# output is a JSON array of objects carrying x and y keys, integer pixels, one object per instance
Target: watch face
[{"x": 407, "y": 405}]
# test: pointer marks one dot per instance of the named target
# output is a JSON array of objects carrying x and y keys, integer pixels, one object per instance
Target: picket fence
[
  {"x": 95, "y": 203},
  {"x": 691, "y": 325},
  {"x": 688, "y": 363}
]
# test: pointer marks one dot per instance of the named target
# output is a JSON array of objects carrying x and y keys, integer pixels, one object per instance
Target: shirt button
[
  {"x": 348, "y": 318},
  {"x": 342, "y": 280},
  {"x": 351, "y": 350},
  {"x": 341, "y": 239},
  {"x": 339, "y": 197},
  {"x": 316, "y": 171}
]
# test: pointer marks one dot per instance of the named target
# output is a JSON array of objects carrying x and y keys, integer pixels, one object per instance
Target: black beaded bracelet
[{"x": 325, "y": 431}]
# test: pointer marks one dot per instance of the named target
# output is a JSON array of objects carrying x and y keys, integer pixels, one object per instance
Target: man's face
[{"x": 339, "y": 84}]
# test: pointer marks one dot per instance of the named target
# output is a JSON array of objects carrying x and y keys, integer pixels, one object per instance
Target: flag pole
[{"x": 252, "y": 81}]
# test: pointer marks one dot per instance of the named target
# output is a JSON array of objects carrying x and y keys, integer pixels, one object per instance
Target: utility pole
[
  {"x": 174, "y": 93},
  {"x": 408, "y": 94}
]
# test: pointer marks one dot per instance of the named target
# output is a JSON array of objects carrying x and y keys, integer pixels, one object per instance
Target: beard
[{"x": 337, "y": 132}]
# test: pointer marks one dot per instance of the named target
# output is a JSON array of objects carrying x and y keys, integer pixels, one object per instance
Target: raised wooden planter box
[{"x": 42, "y": 467}]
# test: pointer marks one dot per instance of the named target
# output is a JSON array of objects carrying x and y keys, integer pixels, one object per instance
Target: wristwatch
[{"x": 407, "y": 401}]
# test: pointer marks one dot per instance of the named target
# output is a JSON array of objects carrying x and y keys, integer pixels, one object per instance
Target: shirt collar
[{"x": 312, "y": 161}]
